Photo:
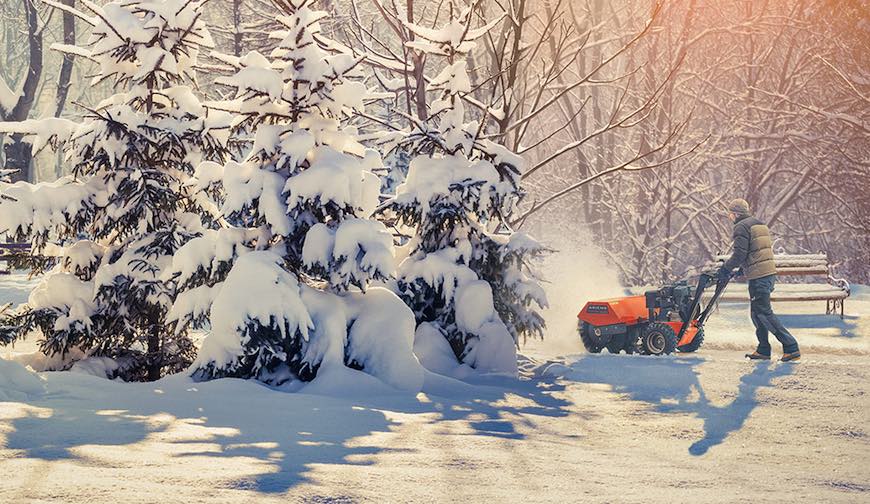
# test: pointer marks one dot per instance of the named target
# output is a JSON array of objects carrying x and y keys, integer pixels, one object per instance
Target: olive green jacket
[{"x": 753, "y": 248}]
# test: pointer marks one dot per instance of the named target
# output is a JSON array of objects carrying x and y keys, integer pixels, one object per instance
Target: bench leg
[{"x": 832, "y": 305}]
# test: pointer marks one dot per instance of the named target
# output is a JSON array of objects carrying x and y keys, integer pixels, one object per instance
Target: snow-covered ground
[{"x": 709, "y": 427}]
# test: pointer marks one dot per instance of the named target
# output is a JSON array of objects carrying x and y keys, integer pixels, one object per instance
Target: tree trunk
[
  {"x": 34, "y": 72},
  {"x": 418, "y": 68},
  {"x": 154, "y": 354},
  {"x": 237, "y": 27},
  {"x": 18, "y": 154},
  {"x": 18, "y": 157},
  {"x": 66, "y": 67}
]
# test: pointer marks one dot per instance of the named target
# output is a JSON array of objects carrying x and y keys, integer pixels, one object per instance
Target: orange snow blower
[{"x": 656, "y": 323}]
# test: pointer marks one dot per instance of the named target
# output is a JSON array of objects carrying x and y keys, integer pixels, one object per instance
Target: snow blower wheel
[
  {"x": 658, "y": 322},
  {"x": 658, "y": 339},
  {"x": 615, "y": 347},
  {"x": 587, "y": 338}
]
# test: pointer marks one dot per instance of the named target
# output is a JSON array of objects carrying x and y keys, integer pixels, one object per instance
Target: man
[{"x": 753, "y": 253}]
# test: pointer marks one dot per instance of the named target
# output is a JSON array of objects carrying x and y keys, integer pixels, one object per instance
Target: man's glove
[{"x": 723, "y": 274}]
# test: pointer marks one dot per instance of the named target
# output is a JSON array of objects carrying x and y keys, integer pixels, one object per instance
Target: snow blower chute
[{"x": 656, "y": 323}]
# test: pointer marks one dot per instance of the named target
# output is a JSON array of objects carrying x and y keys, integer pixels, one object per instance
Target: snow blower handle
[
  {"x": 704, "y": 281},
  {"x": 711, "y": 271},
  {"x": 723, "y": 277}
]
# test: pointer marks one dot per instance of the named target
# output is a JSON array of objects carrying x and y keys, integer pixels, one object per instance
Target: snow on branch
[
  {"x": 72, "y": 10},
  {"x": 8, "y": 98},
  {"x": 52, "y": 131}
]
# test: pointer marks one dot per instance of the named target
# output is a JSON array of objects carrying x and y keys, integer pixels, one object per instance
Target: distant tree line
[{"x": 637, "y": 120}]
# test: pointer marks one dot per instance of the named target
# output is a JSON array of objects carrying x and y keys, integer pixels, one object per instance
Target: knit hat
[{"x": 739, "y": 206}]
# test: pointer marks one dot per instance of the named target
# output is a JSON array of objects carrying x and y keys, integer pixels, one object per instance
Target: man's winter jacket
[{"x": 753, "y": 248}]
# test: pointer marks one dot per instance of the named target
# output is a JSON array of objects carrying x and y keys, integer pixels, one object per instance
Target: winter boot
[
  {"x": 757, "y": 356},
  {"x": 791, "y": 357}
]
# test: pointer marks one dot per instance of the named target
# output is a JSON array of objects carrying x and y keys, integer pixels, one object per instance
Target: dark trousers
[{"x": 764, "y": 319}]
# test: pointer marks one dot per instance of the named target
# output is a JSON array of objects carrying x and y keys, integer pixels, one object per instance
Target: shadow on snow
[
  {"x": 88, "y": 418},
  {"x": 847, "y": 326},
  {"x": 671, "y": 385}
]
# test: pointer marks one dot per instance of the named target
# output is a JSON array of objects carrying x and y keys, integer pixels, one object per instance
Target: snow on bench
[
  {"x": 834, "y": 292},
  {"x": 796, "y": 264},
  {"x": 789, "y": 292}
]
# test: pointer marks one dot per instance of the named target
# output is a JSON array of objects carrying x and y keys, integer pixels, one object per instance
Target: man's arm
[{"x": 741, "y": 248}]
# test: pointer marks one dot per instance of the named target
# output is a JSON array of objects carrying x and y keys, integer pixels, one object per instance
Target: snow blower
[{"x": 656, "y": 323}]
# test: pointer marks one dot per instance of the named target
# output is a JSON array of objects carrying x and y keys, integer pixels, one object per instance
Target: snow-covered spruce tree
[
  {"x": 284, "y": 285},
  {"x": 467, "y": 277},
  {"x": 128, "y": 206}
]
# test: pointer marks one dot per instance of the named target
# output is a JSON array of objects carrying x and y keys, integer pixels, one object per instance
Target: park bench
[{"x": 833, "y": 291}]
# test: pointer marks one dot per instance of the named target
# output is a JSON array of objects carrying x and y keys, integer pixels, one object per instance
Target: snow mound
[
  {"x": 342, "y": 381},
  {"x": 474, "y": 306},
  {"x": 435, "y": 354},
  {"x": 101, "y": 367},
  {"x": 372, "y": 331},
  {"x": 493, "y": 351},
  {"x": 18, "y": 383},
  {"x": 381, "y": 338}
]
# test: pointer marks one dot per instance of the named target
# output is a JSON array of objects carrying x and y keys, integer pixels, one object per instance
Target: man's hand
[{"x": 723, "y": 274}]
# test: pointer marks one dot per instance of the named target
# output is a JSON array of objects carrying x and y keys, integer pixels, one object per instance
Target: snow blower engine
[{"x": 656, "y": 323}]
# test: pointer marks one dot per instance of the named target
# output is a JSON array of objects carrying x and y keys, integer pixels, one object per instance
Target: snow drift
[{"x": 18, "y": 383}]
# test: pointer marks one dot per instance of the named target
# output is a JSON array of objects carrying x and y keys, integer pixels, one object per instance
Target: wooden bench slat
[
  {"x": 801, "y": 257},
  {"x": 802, "y": 264},
  {"x": 801, "y": 270},
  {"x": 792, "y": 296},
  {"x": 787, "y": 287},
  {"x": 789, "y": 292},
  {"x": 794, "y": 264},
  {"x": 787, "y": 257}
]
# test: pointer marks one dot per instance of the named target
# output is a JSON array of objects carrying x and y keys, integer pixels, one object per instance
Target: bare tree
[
  {"x": 66, "y": 67},
  {"x": 531, "y": 83},
  {"x": 17, "y": 152}
]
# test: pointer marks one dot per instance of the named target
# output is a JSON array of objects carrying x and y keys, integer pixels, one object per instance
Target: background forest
[{"x": 638, "y": 120}]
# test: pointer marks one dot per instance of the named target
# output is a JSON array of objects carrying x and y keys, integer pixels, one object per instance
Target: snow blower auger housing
[{"x": 656, "y": 323}]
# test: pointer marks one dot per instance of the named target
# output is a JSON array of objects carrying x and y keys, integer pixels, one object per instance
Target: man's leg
[
  {"x": 764, "y": 313},
  {"x": 761, "y": 332}
]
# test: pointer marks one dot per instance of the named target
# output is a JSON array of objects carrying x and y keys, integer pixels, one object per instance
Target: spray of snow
[{"x": 576, "y": 272}]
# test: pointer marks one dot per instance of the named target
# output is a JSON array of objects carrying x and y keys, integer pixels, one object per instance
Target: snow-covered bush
[
  {"x": 128, "y": 206},
  {"x": 285, "y": 285},
  {"x": 466, "y": 275}
]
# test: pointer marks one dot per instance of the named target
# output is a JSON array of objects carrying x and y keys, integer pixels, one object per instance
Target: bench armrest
[{"x": 841, "y": 283}]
